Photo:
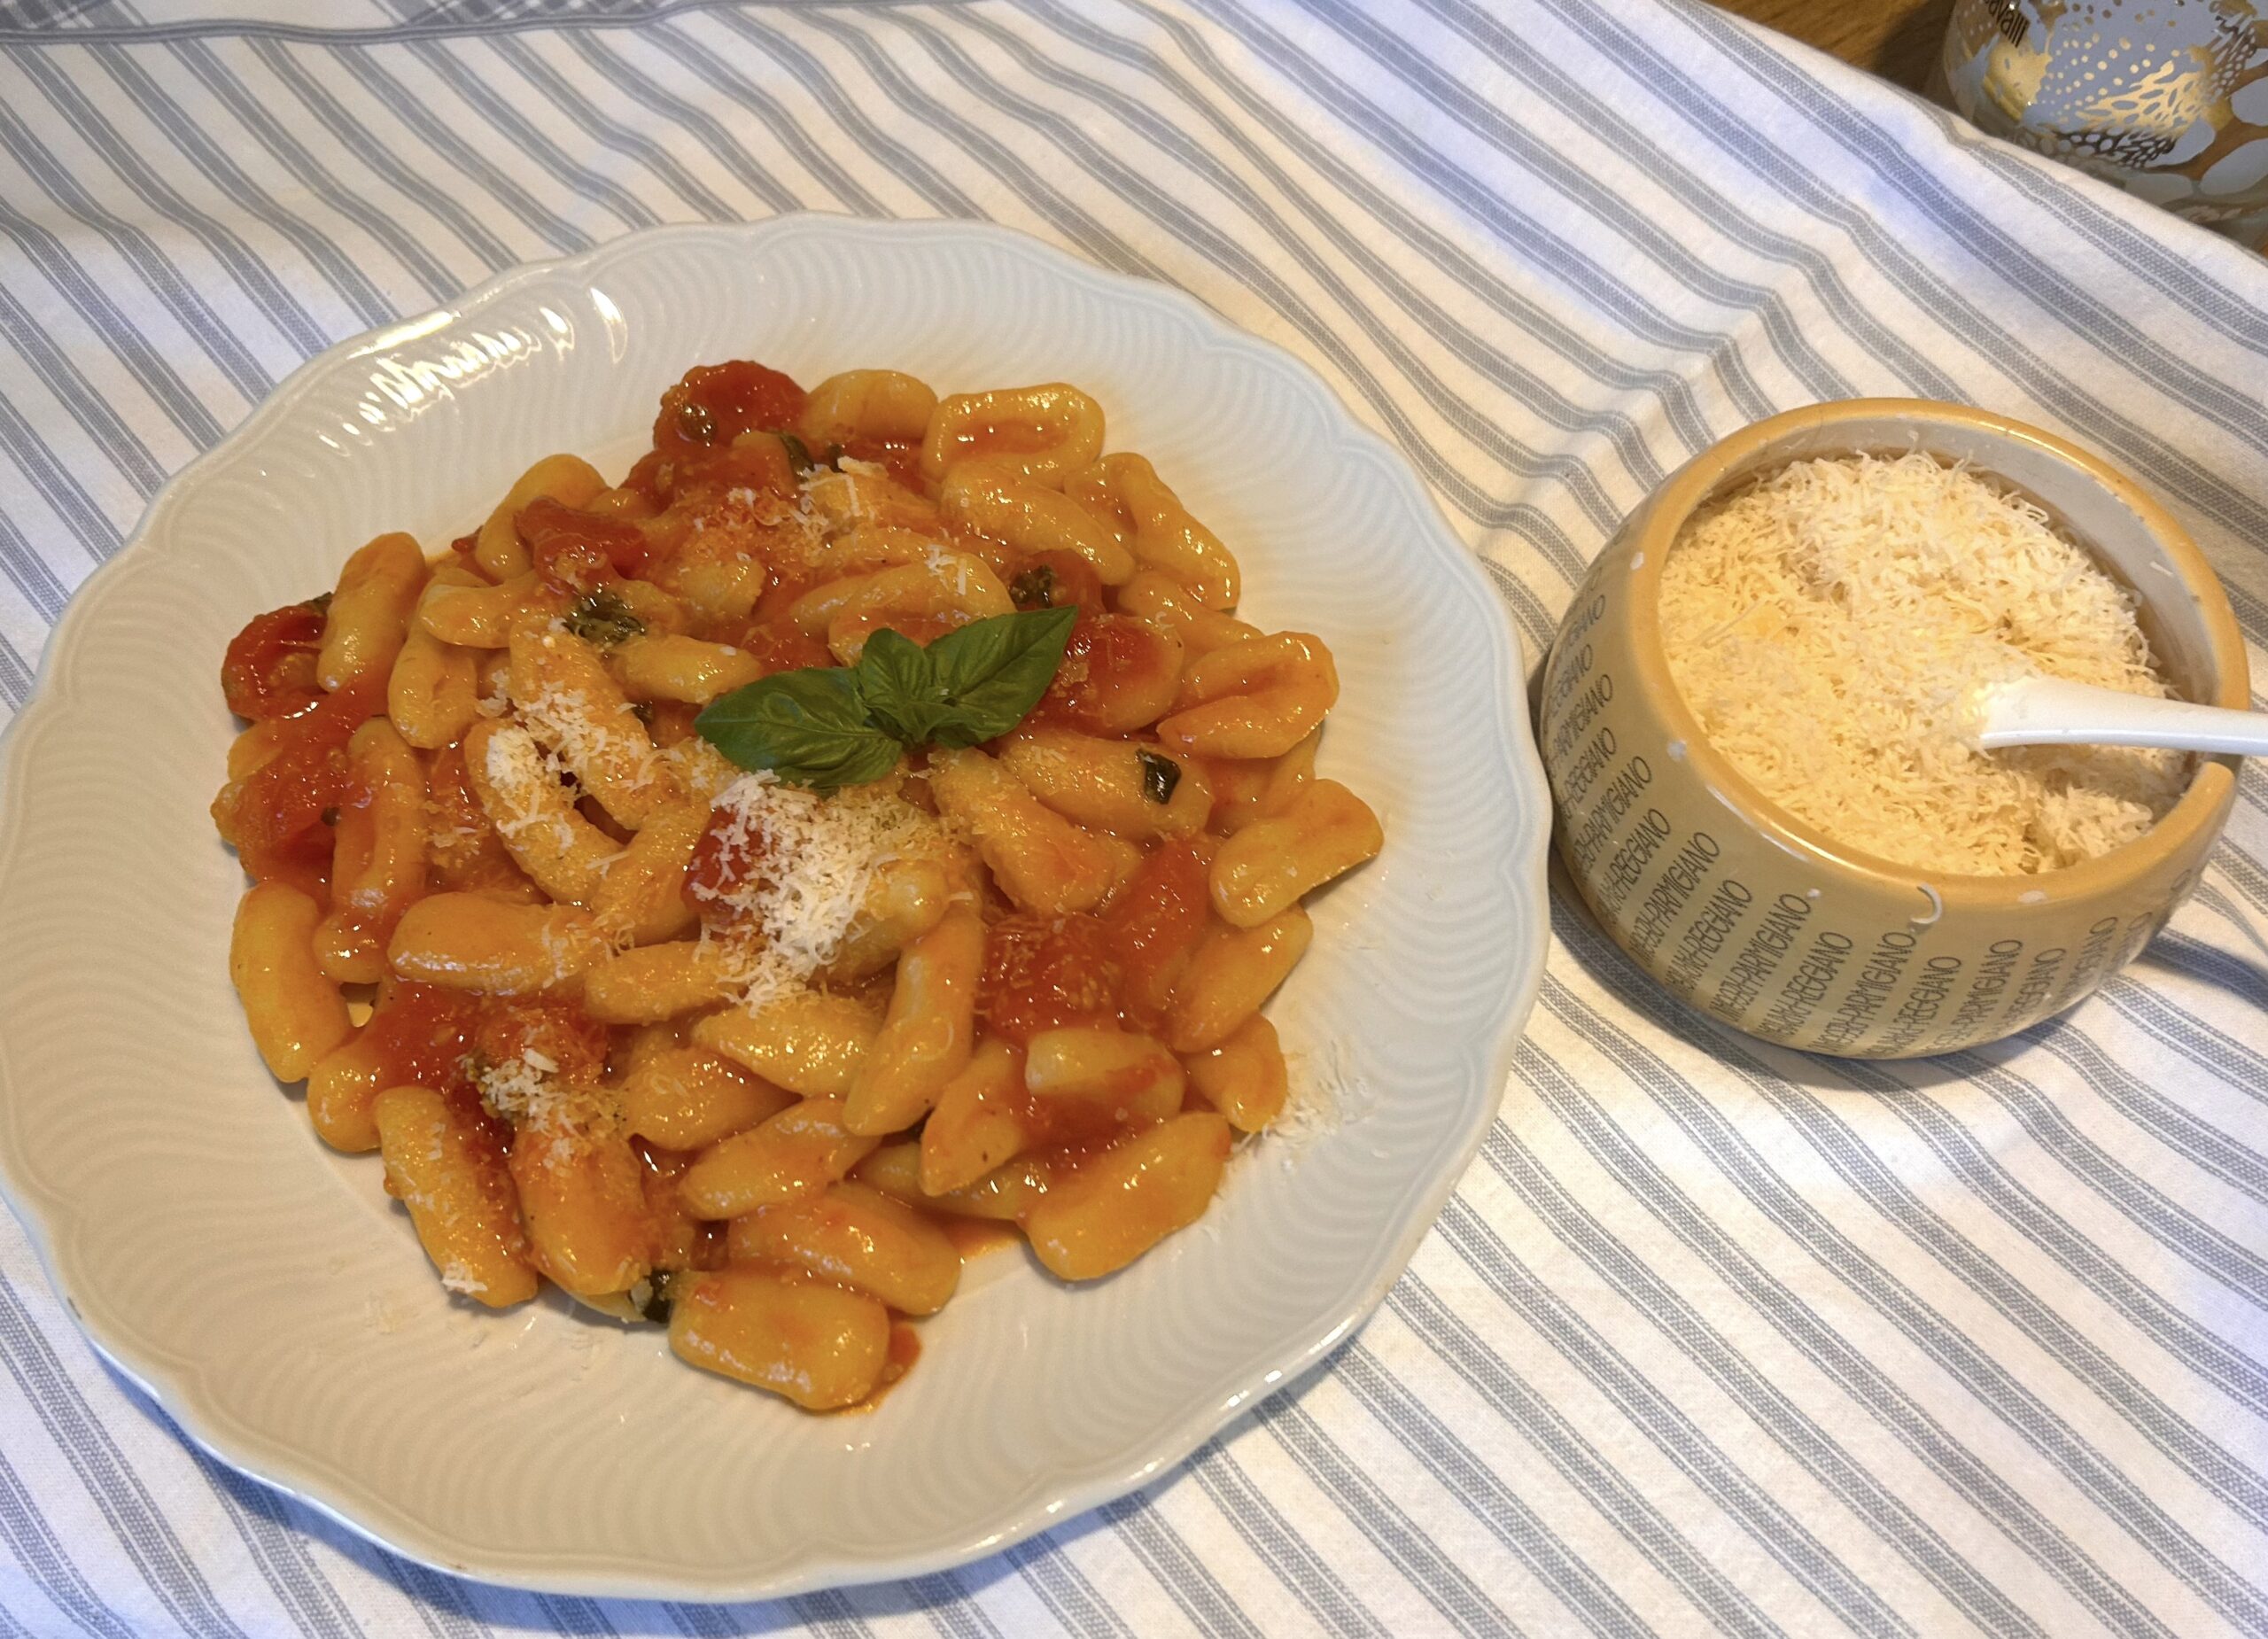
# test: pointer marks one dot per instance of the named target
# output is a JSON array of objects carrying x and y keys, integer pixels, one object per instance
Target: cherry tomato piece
[
  {"x": 577, "y": 551},
  {"x": 715, "y": 403},
  {"x": 269, "y": 669}
]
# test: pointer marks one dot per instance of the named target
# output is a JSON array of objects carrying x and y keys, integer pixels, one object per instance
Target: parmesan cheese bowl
[{"x": 1765, "y": 921}]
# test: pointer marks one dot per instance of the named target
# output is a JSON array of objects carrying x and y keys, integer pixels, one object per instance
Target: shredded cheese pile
[
  {"x": 1829, "y": 624},
  {"x": 819, "y": 856}
]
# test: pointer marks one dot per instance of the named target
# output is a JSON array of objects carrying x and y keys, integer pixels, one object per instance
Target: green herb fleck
[
  {"x": 799, "y": 454},
  {"x": 321, "y": 603},
  {"x": 330, "y": 816},
  {"x": 1160, "y": 775},
  {"x": 834, "y": 456},
  {"x": 602, "y": 618},
  {"x": 1035, "y": 588},
  {"x": 828, "y": 727}
]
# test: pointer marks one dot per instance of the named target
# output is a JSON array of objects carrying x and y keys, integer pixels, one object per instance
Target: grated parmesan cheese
[
  {"x": 1829, "y": 624},
  {"x": 582, "y": 736},
  {"x": 520, "y": 772},
  {"x": 820, "y": 856},
  {"x": 528, "y": 1092}
]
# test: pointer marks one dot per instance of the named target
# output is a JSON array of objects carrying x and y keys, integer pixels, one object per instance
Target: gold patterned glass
[{"x": 2167, "y": 98}]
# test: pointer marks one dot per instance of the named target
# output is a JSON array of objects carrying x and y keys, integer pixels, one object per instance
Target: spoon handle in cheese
[{"x": 2048, "y": 710}]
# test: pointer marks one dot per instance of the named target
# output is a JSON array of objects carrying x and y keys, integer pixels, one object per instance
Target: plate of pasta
[{"x": 892, "y": 874}]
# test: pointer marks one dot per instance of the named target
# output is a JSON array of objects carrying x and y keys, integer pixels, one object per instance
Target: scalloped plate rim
[{"x": 175, "y": 1386}]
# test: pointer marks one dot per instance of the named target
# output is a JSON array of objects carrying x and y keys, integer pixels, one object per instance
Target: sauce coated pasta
[{"x": 731, "y": 893}]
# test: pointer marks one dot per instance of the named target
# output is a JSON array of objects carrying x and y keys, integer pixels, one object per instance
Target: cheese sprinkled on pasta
[{"x": 818, "y": 858}]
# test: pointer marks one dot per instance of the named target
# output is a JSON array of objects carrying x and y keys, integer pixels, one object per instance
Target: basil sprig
[{"x": 828, "y": 726}]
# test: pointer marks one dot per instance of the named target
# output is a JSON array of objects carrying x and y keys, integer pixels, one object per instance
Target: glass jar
[{"x": 2167, "y": 98}]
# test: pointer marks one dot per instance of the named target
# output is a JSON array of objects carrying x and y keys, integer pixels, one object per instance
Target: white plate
[{"x": 269, "y": 1295}]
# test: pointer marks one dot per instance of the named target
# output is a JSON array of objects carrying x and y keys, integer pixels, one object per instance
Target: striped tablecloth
[{"x": 1712, "y": 1336}]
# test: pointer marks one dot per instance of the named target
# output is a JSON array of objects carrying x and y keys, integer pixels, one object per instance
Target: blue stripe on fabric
[
  {"x": 456, "y": 22},
  {"x": 345, "y": 131},
  {"x": 1702, "y": 1343},
  {"x": 2210, "y": 1149},
  {"x": 569, "y": 1614},
  {"x": 15, "y": 676},
  {"x": 2046, "y": 1231},
  {"x": 1598, "y": 202},
  {"x": 1991, "y": 1385},
  {"x": 1192, "y": 230},
  {"x": 279, "y": 1551},
  {"x": 786, "y": 129},
  {"x": 65, "y": 501},
  {"x": 101, "y": 315},
  {"x": 1518, "y": 234},
  {"x": 111, "y": 1483},
  {"x": 2069, "y": 301},
  {"x": 1303, "y": 1571},
  {"x": 709, "y": 132},
  {"x": 48, "y": 1562},
  {"x": 1807, "y": 1560},
  {"x": 2172, "y": 273},
  {"x": 554, "y": 233},
  {"x": 2239, "y": 1267},
  {"x": 905, "y": 164},
  {"x": 2238, "y": 1068},
  {"x": 1722, "y": 211},
  {"x": 131, "y": 245},
  {"x": 250, "y": 274},
  {"x": 1501, "y": 296},
  {"x": 1517, "y": 1526},
  {"x": 1399, "y": 1539},
  {"x": 528, "y": 139},
  {"x": 24, "y": 568},
  {"x": 1182, "y": 1577},
  {"x": 433, "y": 277},
  {"x": 213, "y": 162},
  {"x": 940, "y": 1597},
  {"x": 654, "y": 157},
  {"x": 442, "y": 1603},
  {"x": 1069, "y": 1597},
  {"x": 103, "y": 426}
]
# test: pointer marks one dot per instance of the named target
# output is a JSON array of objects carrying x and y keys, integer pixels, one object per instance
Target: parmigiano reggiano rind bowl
[{"x": 1763, "y": 921}]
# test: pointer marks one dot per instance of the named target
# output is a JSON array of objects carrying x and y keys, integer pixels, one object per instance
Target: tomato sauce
[
  {"x": 1044, "y": 973},
  {"x": 286, "y": 807},
  {"x": 269, "y": 668},
  {"x": 421, "y": 1034},
  {"x": 577, "y": 551}
]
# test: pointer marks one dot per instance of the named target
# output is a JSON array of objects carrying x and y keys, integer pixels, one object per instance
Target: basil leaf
[
  {"x": 602, "y": 618},
  {"x": 810, "y": 727},
  {"x": 1035, "y": 588},
  {"x": 994, "y": 671},
  {"x": 1159, "y": 774},
  {"x": 900, "y": 682}
]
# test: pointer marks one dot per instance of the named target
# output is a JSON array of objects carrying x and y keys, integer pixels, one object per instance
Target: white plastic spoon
[{"x": 2048, "y": 710}]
